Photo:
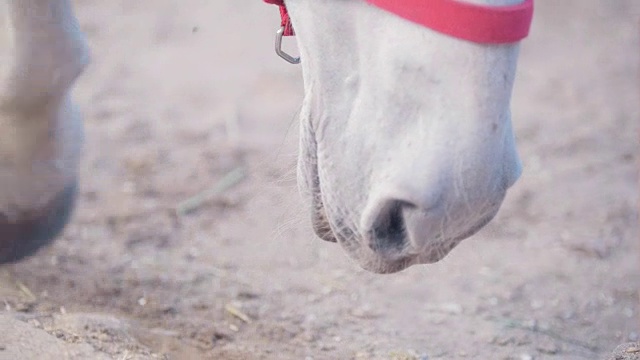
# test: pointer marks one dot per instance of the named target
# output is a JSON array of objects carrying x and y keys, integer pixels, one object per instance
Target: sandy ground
[{"x": 183, "y": 93}]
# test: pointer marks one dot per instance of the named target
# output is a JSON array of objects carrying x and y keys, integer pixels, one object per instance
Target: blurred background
[{"x": 190, "y": 240}]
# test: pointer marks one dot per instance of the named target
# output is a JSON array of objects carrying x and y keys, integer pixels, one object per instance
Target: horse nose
[
  {"x": 397, "y": 226},
  {"x": 32, "y": 230}
]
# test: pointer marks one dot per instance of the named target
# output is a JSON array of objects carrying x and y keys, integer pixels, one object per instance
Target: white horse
[
  {"x": 42, "y": 52},
  {"x": 406, "y": 144}
]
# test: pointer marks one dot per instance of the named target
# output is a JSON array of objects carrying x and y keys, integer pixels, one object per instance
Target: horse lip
[
  {"x": 321, "y": 225},
  {"x": 382, "y": 265},
  {"x": 319, "y": 220}
]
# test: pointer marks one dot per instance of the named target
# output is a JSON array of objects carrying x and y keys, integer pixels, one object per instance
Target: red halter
[
  {"x": 477, "y": 23},
  {"x": 284, "y": 15}
]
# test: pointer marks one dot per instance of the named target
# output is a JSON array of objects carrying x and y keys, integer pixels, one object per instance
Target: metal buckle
[{"x": 288, "y": 58}]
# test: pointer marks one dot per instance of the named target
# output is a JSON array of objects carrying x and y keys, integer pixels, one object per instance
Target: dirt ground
[{"x": 182, "y": 95}]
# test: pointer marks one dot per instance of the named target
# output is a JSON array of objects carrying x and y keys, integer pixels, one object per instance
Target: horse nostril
[{"x": 389, "y": 229}]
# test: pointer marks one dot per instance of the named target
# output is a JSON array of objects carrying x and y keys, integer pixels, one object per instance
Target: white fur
[
  {"x": 42, "y": 52},
  {"x": 394, "y": 111}
]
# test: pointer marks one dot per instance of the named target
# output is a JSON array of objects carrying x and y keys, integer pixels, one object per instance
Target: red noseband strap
[
  {"x": 477, "y": 23},
  {"x": 463, "y": 20}
]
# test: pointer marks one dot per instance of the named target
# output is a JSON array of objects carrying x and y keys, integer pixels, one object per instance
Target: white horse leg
[{"x": 42, "y": 52}]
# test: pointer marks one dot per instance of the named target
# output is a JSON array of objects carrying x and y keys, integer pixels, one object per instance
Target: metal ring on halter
[{"x": 288, "y": 58}]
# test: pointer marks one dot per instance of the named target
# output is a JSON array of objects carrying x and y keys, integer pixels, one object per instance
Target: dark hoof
[{"x": 37, "y": 228}]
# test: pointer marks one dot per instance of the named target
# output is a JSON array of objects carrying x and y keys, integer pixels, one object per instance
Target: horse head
[{"x": 406, "y": 146}]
